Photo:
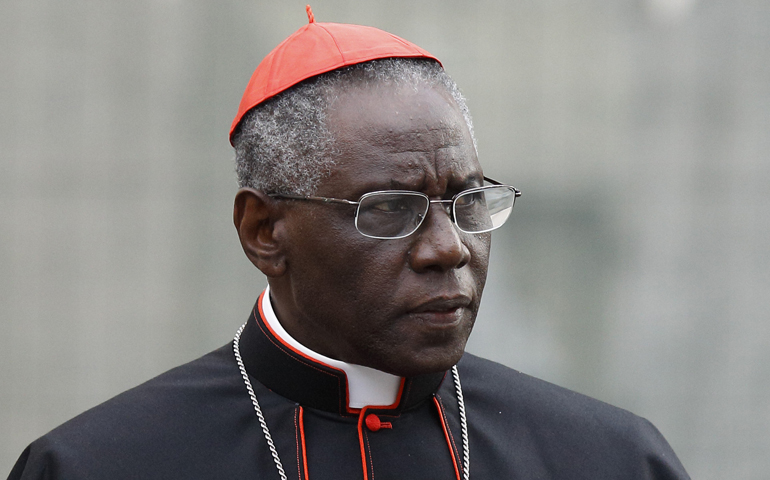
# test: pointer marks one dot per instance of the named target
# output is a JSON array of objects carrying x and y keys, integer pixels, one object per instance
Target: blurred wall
[{"x": 635, "y": 268}]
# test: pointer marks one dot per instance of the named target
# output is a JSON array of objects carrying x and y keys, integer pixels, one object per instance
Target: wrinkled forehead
[{"x": 415, "y": 136}]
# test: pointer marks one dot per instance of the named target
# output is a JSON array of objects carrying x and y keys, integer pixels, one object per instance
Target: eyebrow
[
  {"x": 472, "y": 180},
  {"x": 475, "y": 179},
  {"x": 397, "y": 185}
]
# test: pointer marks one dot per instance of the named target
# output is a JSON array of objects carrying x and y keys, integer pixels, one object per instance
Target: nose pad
[
  {"x": 419, "y": 219},
  {"x": 439, "y": 246},
  {"x": 445, "y": 206}
]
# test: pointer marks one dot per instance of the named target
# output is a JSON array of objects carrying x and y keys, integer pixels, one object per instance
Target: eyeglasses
[{"x": 392, "y": 214}]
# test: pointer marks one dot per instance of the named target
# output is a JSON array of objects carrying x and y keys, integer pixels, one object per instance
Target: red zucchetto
[{"x": 317, "y": 48}]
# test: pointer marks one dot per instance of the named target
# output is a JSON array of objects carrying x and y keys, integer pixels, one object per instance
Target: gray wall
[{"x": 635, "y": 268}]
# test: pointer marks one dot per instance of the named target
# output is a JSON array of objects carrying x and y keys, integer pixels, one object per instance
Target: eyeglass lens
[
  {"x": 390, "y": 215},
  {"x": 483, "y": 210},
  {"x": 399, "y": 214}
]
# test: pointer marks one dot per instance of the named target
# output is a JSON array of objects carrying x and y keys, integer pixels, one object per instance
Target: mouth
[{"x": 442, "y": 311}]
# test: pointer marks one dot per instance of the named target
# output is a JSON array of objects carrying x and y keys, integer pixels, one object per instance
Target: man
[{"x": 364, "y": 204}]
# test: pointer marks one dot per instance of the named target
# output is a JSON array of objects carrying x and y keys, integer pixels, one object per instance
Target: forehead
[{"x": 390, "y": 136}]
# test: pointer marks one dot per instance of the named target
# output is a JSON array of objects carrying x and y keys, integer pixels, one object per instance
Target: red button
[{"x": 374, "y": 424}]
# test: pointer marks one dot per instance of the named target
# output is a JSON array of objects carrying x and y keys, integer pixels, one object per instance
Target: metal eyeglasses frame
[{"x": 494, "y": 184}]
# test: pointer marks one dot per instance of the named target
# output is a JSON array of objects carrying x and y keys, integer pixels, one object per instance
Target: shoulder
[
  {"x": 160, "y": 415},
  {"x": 491, "y": 383},
  {"x": 176, "y": 392},
  {"x": 552, "y": 429}
]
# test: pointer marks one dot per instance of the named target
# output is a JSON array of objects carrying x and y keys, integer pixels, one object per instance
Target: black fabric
[
  {"x": 307, "y": 382},
  {"x": 197, "y": 422}
]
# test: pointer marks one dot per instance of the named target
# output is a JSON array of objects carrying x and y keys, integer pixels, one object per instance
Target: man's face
[{"x": 405, "y": 306}]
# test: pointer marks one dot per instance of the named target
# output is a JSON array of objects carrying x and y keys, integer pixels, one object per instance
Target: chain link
[
  {"x": 257, "y": 408},
  {"x": 269, "y": 438}
]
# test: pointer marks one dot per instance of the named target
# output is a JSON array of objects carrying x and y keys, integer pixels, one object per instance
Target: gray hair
[{"x": 283, "y": 145}]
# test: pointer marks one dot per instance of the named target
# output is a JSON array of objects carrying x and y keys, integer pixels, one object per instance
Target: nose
[{"x": 438, "y": 245}]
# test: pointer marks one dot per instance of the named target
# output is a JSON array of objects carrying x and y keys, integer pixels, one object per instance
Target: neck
[{"x": 366, "y": 386}]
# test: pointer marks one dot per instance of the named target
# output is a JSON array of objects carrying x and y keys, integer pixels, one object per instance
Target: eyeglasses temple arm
[
  {"x": 312, "y": 198},
  {"x": 516, "y": 191}
]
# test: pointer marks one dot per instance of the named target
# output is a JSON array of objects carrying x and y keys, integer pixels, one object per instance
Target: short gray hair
[{"x": 283, "y": 145}]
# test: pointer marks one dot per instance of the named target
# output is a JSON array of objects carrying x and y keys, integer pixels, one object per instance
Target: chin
[{"x": 425, "y": 364}]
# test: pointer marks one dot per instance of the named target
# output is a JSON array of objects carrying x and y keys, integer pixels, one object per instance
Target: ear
[{"x": 257, "y": 218}]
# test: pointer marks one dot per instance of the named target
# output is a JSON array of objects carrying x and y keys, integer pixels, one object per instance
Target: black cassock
[{"x": 198, "y": 421}]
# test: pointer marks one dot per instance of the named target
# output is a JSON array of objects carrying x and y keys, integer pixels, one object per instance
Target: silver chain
[
  {"x": 257, "y": 408},
  {"x": 269, "y": 438},
  {"x": 463, "y": 424}
]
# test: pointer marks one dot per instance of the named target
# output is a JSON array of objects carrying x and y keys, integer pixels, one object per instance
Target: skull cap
[{"x": 318, "y": 48}]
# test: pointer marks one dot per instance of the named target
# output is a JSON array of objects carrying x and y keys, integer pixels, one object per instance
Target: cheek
[
  {"x": 354, "y": 271},
  {"x": 379, "y": 268},
  {"x": 479, "y": 246},
  {"x": 480, "y": 252}
]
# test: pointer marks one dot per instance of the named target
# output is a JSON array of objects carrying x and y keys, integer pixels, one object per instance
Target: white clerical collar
[{"x": 366, "y": 386}]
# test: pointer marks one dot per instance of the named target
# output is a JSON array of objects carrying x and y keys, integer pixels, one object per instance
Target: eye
[
  {"x": 393, "y": 205},
  {"x": 469, "y": 199},
  {"x": 390, "y": 206}
]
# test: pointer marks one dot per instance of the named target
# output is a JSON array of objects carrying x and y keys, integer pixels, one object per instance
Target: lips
[
  {"x": 443, "y": 304},
  {"x": 442, "y": 310}
]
